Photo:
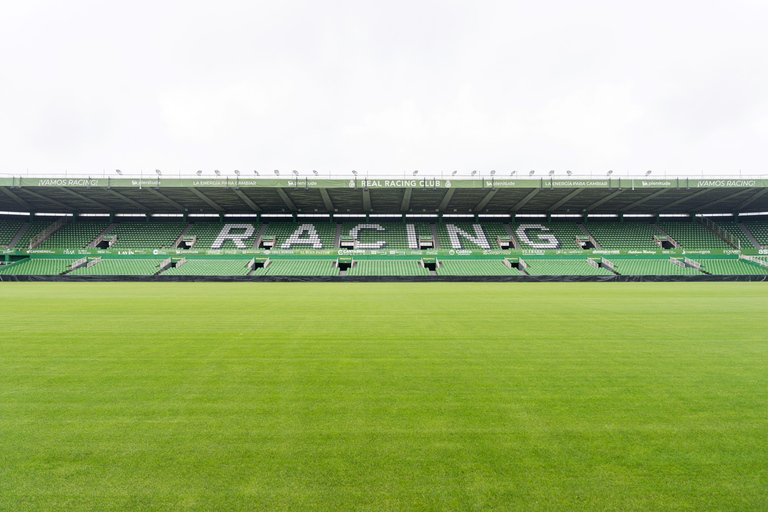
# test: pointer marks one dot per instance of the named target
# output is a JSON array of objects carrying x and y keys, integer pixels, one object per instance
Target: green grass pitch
[{"x": 402, "y": 396}]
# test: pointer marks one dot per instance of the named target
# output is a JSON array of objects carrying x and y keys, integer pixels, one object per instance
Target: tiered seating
[
  {"x": 495, "y": 230},
  {"x": 207, "y": 232},
  {"x": 734, "y": 229},
  {"x": 283, "y": 230},
  {"x": 468, "y": 227},
  {"x": 36, "y": 226},
  {"x": 759, "y": 230},
  {"x": 692, "y": 235},
  {"x": 565, "y": 232},
  {"x": 652, "y": 267},
  {"x": 75, "y": 234},
  {"x": 119, "y": 267},
  {"x": 210, "y": 268},
  {"x": 564, "y": 268},
  {"x": 387, "y": 268},
  {"x": 627, "y": 235},
  {"x": 8, "y": 230},
  {"x": 395, "y": 234},
  {"x": 38, "y": 267},
  {"x": 298, "y": 268},
  {"x": 475, "y": 268},
  {"x": 147, "y": 235},
  {"x": 731, "y": 267}
]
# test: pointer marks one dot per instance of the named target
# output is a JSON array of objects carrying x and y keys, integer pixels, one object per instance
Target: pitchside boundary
[{"x": 384, "y": 279}]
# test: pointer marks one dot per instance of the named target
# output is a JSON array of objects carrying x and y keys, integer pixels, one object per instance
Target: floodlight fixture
[
  {"x": 513, "y": 173},
  {"x": 354, "y": 172},
  {"x": 118, "y": 171},
  {"x": 493, "y": 172},
  {"x": 531, "y": 173},
  {"x": 454, "y": 173},
  {"x": 256, "y": 173},
  {"x": 474, "y": 172},
  {"x": 315, "y": 173},
  {"x": 568, "y": 173},
  {"x": 648, "y": 172},
  {"x": 415, "y": 173},
  {"x": 199, "y": 173},
  {"x": 277, "y": 173},
  {"x": 551, "y": 173},
  {"x": 158, "y": 172},
  {"x": 217, "y": 172},
  {"x": 237, "y": 172},
  {"x": 295, "y": 172},
  {"x": 609, "y": 173}
]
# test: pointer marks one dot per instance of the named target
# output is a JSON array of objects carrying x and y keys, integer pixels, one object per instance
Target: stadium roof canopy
[{"x": 229, "y": 195}]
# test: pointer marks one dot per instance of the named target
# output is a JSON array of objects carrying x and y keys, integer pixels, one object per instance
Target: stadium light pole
[
  {"x": 256, "y": 173},
  {"x": 199, "y": 173},
  {"x": 118, "y": 171},
  {"x": 217, "y": 172},
  {"x": 277, "y": 173}
]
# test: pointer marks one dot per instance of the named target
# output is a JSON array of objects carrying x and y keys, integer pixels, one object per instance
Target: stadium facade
[{"x": 383, "y": 228}]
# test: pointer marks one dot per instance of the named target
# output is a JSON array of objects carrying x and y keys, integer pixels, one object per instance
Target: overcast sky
[{"x": 384, "y": 87}]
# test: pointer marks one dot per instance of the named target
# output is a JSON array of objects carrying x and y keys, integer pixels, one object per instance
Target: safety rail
[
  {"x": 752, "y": 259},
  {"x": 47, "y": 232},
  {"x": 720, "y": 232}
]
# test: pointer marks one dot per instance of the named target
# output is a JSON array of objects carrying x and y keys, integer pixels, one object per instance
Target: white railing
[
  {"x": 720, "y": 232},
  {"x": 691, "y": 263},
  {"x": 677, "y": 261},
  {"x": 79, "y": 263},
  {"x": 758, "y": 261},
  {"x": 43, "y": 235}
]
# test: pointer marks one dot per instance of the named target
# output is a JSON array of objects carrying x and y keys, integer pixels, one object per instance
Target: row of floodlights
[{"x": 296, "y": 173}]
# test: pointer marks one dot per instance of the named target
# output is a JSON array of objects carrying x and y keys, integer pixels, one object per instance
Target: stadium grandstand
[{"x": 429, "y": 228}]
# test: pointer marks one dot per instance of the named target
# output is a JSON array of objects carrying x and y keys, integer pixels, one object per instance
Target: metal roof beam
[
  {"x": 406, "y": 200},
  {"x": 446, "y": 200},
  {"x": 286, "y": 199},
  {"x": 86, "y": 199},
  {"x": 327, "y": 200},
  {"x": 716, "y": 201},
  {"x": 684, "y": 199},
  {"x": 16, "y": 198},
  {"x": 247, "y": 200},
  {"x": 753, "y": 198},
  {"x": 644, "y": 199},
  {"x": 128, "y": 200},
  {"x": 524, "y": 200},
  {"x": 166, "y": 199},
  {"x": 565, "y": 200},
  {"x": 207, "y": 199},
  {"x": 57, "y": 203},
  {"x": 603, "y": 200},
  {"x": 482, "y": 204}
]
